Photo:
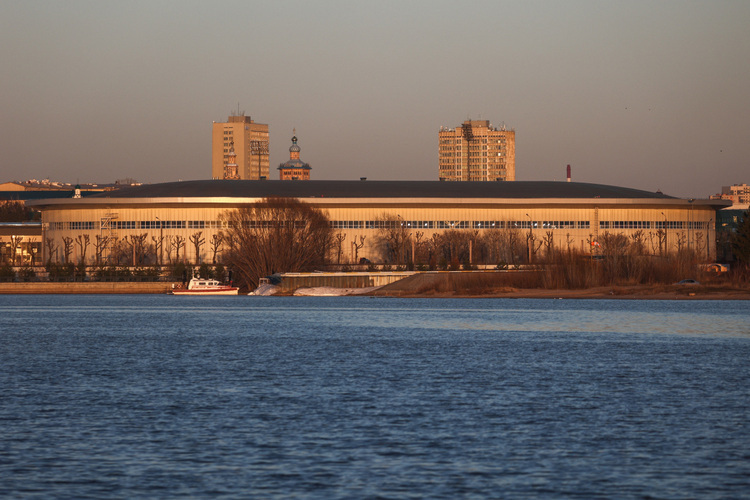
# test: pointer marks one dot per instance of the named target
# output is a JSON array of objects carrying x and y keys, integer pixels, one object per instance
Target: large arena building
[{"x": 572, "y": 215}]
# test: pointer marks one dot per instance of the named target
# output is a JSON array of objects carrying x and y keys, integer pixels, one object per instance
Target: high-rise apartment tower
[
  {"x": 476, "y": 151},
  {"x": 244, "y": 141}
]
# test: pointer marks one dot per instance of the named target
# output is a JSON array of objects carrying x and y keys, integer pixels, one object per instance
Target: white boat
[{"x": 201, "y": 286}]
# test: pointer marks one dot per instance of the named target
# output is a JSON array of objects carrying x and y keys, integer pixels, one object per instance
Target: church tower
[
  {"x": 294, "y": 169},
  {"x": 231, "y": 170}
]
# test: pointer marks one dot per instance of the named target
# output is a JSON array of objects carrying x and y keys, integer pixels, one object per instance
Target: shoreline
[
  {"x": 632, "y": 292},
  {"x": 640, "y": 292},
  {"x": 85, "y": 287}
]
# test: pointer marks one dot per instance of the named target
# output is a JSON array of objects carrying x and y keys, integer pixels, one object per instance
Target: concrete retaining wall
[
  {"x": 85, "y": 287},
  {"x": 292, "y": 281}
]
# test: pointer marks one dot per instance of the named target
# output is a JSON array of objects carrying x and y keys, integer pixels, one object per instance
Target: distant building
[
  {"x": 12, "y": 186},
  {"x": 739, "y": 194},
  {"x": 567, "y": 215},
  {"x": 248, "y": 140},
  {"x": 294, "y": 169},
  {"x": 476, "y": 151}
]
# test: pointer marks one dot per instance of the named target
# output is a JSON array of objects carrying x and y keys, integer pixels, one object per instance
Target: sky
[{"x": 651, "y": 95}]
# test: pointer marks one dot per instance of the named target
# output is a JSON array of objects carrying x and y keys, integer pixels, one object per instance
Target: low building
[
  {"x": 21, "y": 243},
  {"x": 184, "y": 220}
]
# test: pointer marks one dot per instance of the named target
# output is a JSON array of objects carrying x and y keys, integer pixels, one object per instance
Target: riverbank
[
  {"x": 639, "y": 292},
  {"x": 86, "y": 287},
  {"x": 404, "y": 289}
]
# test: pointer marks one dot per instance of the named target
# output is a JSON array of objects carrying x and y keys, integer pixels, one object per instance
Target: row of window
[
  {"x": 387, "y": 224},
  {"x": 393, "y": 224},
  {"x": 460, "y": 140},
  {"x": 672, "y": 224}
]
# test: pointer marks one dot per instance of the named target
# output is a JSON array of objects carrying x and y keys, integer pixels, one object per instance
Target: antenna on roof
[{"x": 238, "y": 112}]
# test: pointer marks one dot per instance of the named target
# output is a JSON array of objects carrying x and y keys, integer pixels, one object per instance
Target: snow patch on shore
[
  {"x": 265, "y": 290},
  {"x": 327, "y": 291}
]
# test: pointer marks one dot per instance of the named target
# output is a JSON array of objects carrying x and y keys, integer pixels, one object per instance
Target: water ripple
[{"x": 129, "y": 396}]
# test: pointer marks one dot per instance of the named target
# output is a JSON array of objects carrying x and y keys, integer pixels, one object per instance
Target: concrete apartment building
[
  {"x": 244, "y": 141},
  {"x": 738, "y": 193},
  {"x": 477, "y": 151}
]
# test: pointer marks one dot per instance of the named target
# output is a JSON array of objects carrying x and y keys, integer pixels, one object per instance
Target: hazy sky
[{"x": 644, "y": 94}]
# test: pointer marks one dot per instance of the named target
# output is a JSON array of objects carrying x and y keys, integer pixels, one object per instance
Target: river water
[{"x": 125, "y": 396}]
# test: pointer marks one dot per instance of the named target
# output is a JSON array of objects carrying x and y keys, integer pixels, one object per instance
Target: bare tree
[
  {"x": 13, "y": 211},
  {"x": 128, "y": 246},
  {"x": 51, "y": 248},
  {"x": 67, "y": 247},
  {"x": 549, "y": 243},
  {"x": 177, "y": 242},
  {"x": 158, "y": 249},
  {"x": 82, "y": 242},
  {"x": 700, "y": 244},
  {"x": 119, "y": 250},
  {"x": 138, "y": 244},
  {"x": 651, "y": 242},
  {"x": 568, "y": 241},
  {"x": 393, "y": 233},
  {"x": 417, "y": 246},
  {"x": 276, "y": 235},
  {"x": 503, "y": 245},
  {"x": 614, "y": 245},
  {"x": 661, "y": 234},
  {"x": 681, "y": 240},
  {"x": 197, "y": 240},
  {"x": 100, "y": 244},
  {"x": 168, "y": 247},
  {"x": 216, "y": 242},
  {"x": 357, "y": 245},
  {"x": 638, "y": 246},
  {"x": 339, "y": 238},
  {"x": 533, "y": 246},
  {"x": 457, "y": 246},
  {"x": 15, "y": 242}
]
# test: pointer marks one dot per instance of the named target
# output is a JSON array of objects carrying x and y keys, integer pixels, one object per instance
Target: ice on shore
[
  {"x": 318, "y": 291},
  {"x": 265, "y": 290},
  {"x": 327, "y": 291}
]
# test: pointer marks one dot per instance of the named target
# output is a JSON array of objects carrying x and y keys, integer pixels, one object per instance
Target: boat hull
[{"x": 227, "y": 291}]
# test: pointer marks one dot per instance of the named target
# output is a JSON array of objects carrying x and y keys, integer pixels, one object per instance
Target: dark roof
[
  {"x": 377, "y": 189},
  {"x": 297, "y": 164},
  {"x": 42, "y": 194}
]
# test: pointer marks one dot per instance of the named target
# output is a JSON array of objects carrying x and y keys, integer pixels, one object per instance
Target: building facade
[
  {"x": 477, "y": 151},
  {"x": 20, "y": 243},
  {"x": 183, "y": 221},
  {"x": 294, "y": 169},
  {"x": 248, "y": 141},
  {"x": 738, "y": 193}
]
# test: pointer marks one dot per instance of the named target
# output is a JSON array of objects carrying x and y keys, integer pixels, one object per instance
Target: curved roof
[
  {"x": 295, "y": 164},
  {"x": 378, "y": 189}
]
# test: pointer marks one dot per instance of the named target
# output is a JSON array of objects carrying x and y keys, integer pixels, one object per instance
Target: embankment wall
[{"x": 85, "y": 287}]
